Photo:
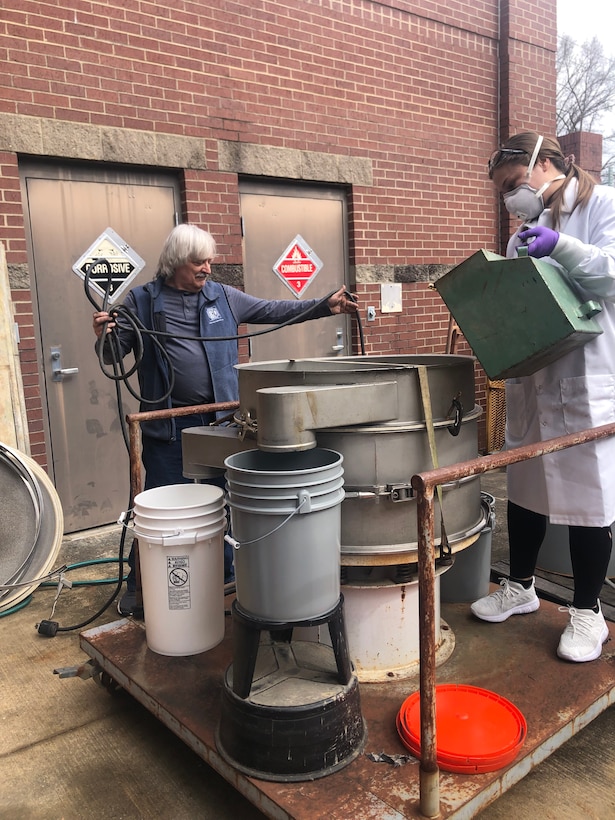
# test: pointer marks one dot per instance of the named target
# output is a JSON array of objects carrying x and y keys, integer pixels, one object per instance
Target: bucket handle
[{"x": 304, "y": 499}]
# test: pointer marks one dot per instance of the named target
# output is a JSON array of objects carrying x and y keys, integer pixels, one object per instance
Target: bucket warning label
[{"x": 178, "y": 575}]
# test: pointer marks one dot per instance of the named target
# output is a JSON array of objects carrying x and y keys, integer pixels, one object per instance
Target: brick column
[{"x": 587, "y": 149}]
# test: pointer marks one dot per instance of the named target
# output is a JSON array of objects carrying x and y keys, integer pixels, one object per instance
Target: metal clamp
[
  {"x": 247, "y": 425},
  {"x": 400, "y": 492},
  {"x": 455, "y": 411},
  {"x": 87, "y": 670},
  {"x": 589, "y": 309}
]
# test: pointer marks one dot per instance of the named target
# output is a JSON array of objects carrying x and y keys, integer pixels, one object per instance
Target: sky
[{"x": 584, "y": 19}]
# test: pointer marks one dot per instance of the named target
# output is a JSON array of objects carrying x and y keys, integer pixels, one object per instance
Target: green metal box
[{"x": 517, "y": 315}]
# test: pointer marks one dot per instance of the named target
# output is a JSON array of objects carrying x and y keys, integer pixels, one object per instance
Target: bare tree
[
  {"x": 585, "y": 85},
  {"x": 586, "y": 93}
]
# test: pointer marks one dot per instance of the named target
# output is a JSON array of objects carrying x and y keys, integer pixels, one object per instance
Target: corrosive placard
[
  {"x": 112, "y": 265},
  {"x": 298, "y": 265},
  {"x": 178, "y": 581}
]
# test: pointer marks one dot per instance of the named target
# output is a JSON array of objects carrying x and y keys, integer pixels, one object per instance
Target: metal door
[
  {"x": 273, "y": 216},
  {"x": 67, "y": 209}
]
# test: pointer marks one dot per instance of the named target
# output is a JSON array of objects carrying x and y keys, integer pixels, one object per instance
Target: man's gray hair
[{"x": 185, "y": 243}]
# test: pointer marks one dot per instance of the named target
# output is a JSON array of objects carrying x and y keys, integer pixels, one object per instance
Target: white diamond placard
[{"x": 110, "y": 264}]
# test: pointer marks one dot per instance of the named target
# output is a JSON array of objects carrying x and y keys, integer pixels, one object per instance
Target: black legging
[{"x": 590, "y": 552}]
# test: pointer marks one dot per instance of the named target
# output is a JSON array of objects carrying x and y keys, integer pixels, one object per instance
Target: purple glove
[{"x": 543, "y": 244}]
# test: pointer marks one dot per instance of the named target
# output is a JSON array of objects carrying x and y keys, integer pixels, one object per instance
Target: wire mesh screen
[{"x": 496, "y": 415}]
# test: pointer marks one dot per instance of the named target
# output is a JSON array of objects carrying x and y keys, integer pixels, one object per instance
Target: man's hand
[
  {"x": 100, "y": 317},
  {"x": 342, "y": 302},
  {"x": 544, "y": 242}
]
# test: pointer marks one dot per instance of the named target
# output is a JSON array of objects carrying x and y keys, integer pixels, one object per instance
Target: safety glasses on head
[{"x": 503, "y": 154}]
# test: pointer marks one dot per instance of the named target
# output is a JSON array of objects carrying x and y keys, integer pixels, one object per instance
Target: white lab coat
[{"x": 574, "y": 486}]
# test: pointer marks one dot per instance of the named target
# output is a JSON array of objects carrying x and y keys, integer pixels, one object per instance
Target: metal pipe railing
[
  {"x": 134, "y": 420},
  {"x": 424, "y": 485}
]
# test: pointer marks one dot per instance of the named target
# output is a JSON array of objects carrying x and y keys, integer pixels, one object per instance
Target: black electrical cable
[
  {"x": 49, "y": 628},
  {"x": 359, "y": 323},
  {"x": 120, "y": 313}
]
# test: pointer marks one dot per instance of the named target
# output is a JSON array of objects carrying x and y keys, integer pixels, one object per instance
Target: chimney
[{"x": 587, "y": 149}]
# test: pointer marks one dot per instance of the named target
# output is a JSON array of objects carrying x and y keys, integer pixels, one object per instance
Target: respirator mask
[{"x": 524, "y": 201}]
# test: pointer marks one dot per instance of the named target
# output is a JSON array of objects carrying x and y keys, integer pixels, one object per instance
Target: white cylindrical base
[{"x": 382, "y": 625}]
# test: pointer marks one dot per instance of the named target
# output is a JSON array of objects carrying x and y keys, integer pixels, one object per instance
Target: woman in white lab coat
[{"x": 569, "y": 221}]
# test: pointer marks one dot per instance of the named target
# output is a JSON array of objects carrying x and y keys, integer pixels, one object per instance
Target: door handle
[
  {"x": 339, "y": 338},
  {"x": 58, "y": 372}
]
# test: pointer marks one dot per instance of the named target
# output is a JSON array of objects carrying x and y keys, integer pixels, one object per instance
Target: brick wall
[{"x": 420, "y": 92}]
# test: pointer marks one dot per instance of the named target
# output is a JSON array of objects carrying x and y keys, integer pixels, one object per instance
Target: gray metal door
[
  {"x": 274, "y": 215},
  {"x": 67, "y": 209}
]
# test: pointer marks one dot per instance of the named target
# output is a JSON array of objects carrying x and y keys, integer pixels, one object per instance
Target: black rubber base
[{"x": 298, "y": 723}]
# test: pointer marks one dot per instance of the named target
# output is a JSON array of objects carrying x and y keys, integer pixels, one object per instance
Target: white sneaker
[
  {"x": 511, "y": 599},
  {"x": 583, "y": 637}
]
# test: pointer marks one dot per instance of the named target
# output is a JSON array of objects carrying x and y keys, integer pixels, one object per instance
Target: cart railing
[
  {"x": 424, "y": 485},
  {"x": 134, "y": 421}
]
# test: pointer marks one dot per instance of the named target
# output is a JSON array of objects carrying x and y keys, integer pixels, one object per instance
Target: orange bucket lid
[{"x": 476, "y": 730}]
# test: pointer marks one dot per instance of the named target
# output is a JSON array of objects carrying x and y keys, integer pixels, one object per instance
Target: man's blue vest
[{"x": 153, "y": 371}]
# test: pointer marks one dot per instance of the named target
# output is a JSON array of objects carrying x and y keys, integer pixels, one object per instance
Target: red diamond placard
[{"x": 297, "y": 266}]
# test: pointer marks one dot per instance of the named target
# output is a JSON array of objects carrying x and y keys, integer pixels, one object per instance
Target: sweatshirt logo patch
[{"x": 213, "y": 314}]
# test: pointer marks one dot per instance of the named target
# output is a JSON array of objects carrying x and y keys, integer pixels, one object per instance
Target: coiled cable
[{"x": 123, "y": 316}]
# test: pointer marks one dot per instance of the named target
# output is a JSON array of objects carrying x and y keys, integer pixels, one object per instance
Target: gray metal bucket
[
  {"x": 468, "y": 578},
  {"x": 554, "y": 555},
  {"x": 286, "y": 524}
]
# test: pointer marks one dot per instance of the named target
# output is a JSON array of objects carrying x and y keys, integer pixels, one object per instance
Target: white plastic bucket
[
  {"x": 179, "y": 501},
  {"x": 286, "y": 524},
  {"x": 166, "y": 531},
  {"x": 191, "y": 519},
  {"x": 182, "y": 570},
  {"x": 168, "y": 527}
]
